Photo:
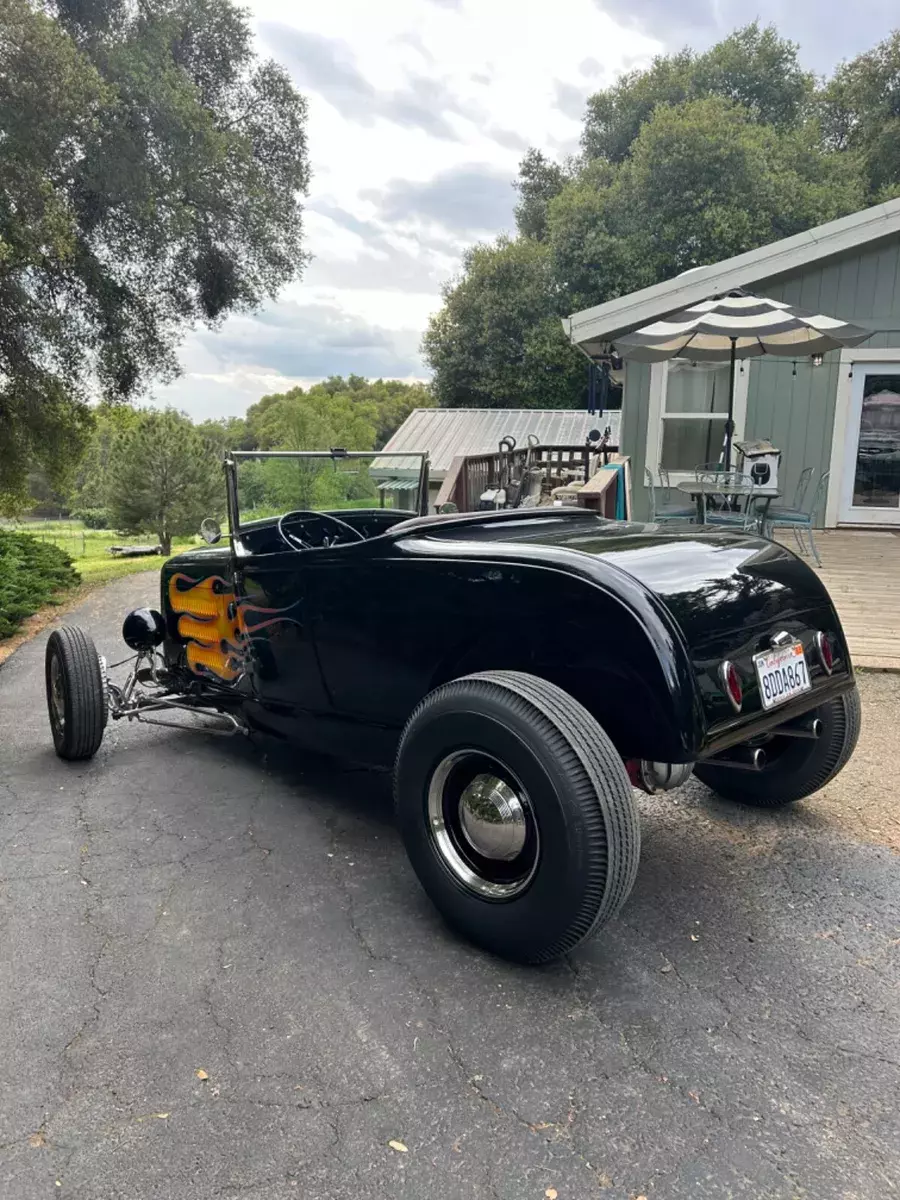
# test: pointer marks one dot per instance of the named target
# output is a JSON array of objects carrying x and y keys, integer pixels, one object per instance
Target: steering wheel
[{"x": 296, "y": 543}]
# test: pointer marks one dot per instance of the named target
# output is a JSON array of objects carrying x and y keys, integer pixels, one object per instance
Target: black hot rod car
[{"x": 521, "y": 672}]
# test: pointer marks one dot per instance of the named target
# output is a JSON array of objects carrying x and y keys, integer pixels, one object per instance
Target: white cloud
[{"x": 419, "y": 111}]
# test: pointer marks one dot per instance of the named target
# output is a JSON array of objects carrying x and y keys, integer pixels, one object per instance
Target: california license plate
[{"x": 782, "y": 674}]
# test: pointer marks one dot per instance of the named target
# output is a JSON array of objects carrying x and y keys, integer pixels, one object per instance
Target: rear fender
[{"x": 635, "y": 681}]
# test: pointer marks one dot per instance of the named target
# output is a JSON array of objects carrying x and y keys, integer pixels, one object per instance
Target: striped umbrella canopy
[
  {"x": 742, "y": 325},
  {"x": 738, "y": 325}
]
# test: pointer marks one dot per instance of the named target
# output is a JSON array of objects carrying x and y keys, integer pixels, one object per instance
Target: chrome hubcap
[
  {"x": 492, "y": 818},
  {"x": 57, "y": 698},
  {"x": 482, "y": 825}
]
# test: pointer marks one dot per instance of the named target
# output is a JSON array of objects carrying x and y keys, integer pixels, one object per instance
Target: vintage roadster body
[{"x": 521, "y": 672}]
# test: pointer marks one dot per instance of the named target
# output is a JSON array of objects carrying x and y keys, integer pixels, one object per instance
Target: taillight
[
  {"x": 825, "y": 652},
  {"x": 731, "y": 683}
]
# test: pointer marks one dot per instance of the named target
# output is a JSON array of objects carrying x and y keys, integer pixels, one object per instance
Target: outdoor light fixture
[{"x": 817, "y": 360}]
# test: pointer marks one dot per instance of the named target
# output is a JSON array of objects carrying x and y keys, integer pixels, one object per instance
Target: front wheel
[
  {"x": 517, "y": 814},
  {"x": 795, "y": 767},
  {"x": 76, "y": 693}
]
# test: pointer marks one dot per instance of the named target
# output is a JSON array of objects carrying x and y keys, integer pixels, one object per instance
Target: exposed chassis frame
[{"x": 133, "y": 699}]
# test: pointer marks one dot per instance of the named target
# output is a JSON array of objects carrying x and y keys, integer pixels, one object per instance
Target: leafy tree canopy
[
  {"x": 862, "y": 114},
  {"x": 355, "y": 413},
  {"x": 696, "y": 159},
  {"x": 754, "y": 68},
  {"x": 150, "y": 173}
]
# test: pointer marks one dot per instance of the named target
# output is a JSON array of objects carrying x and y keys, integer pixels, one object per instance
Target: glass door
[{"x": 871, "y": 492}]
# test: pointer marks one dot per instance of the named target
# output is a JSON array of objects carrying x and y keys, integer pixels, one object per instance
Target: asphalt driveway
[{"x": 219, "y": 978}]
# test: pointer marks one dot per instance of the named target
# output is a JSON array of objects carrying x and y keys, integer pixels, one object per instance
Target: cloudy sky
[{"x": 419, "y": 111}]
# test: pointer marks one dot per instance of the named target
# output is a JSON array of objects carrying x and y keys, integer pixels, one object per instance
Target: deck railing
[{"x": 472, "y": 474}]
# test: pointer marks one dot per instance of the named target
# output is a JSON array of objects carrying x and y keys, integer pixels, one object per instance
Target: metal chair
[
  {"x": 718, "y": 507},
  {"x": 802, "y": 521},
  {"x": 668, "y": 510},
  {"x": 674, "y": 499},
  {"x": 796, "y": 504}
]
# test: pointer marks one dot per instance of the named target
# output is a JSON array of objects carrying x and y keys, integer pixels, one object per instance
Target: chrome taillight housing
[
  {"x": 731, "y": 684},
  {"x": 825, "y": 652}
]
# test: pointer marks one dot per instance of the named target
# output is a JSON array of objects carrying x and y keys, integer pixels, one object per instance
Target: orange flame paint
[{"x": 211, "y": 624}]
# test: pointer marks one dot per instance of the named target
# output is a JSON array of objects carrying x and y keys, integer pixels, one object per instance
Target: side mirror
[{"x": 211, "y": 531}]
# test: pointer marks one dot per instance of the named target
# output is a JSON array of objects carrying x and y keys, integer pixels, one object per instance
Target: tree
[
  {"x": 540, "y": 180},
  {"x": 316, "y": 420},
  {"x": 498, "y": 341},
  {"x": 227, "y": 433},
  {"x": 163, "y": 478},
  {"x": 754, "y": 68},
  {"x": 704, "y": 182},
  {"x": 150, "y": 174},
  {"x": 381, "y": 405},
  {"x": 861, "y": 114},
  {"x": 589, "y": 261}
]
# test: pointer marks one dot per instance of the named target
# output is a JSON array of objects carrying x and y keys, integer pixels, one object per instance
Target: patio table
[{"x": 698, "y": 488}]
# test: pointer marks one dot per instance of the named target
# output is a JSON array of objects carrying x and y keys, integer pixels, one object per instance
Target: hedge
[{"x": 31, "y": 572}]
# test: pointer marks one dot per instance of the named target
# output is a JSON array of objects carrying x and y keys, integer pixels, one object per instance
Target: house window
[{"x": 688, "y": 410}]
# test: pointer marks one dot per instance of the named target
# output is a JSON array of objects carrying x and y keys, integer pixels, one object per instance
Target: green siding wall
[{"x": 795, "y": 410}]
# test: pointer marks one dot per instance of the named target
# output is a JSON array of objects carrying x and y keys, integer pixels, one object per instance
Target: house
[
  {"x": 842, "y": 416},
  {"x": 448, "y": 433}
]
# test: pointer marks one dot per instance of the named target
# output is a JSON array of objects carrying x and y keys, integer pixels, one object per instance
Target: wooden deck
[{"x": 861, "y": 569}]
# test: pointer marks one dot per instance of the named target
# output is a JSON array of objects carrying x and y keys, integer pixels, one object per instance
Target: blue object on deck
[{"x": 620, "y": 490}]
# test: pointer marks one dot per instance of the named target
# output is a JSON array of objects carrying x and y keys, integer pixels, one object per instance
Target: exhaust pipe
[
  {"x": 740, "y": 758},
  {"x": 805, "y": 727}
]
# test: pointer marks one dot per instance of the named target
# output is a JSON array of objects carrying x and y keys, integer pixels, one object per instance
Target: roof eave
[{"x": 605, "y": 322}]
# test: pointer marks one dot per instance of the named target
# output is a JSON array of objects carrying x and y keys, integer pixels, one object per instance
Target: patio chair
[
  {"x": 674, "y": 499},
  {"x": 801, "y": 522},
  {"x": 796, "y": 504},
  {"x": 717, "y": 506},
  {"x": 669, "y": 509}
]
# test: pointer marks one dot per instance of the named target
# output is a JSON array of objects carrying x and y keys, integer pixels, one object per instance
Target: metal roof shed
[{"x": 447, "y": 433}]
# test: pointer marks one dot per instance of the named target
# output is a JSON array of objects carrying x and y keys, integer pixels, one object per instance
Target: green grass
[{"x": 95, "y": 571}]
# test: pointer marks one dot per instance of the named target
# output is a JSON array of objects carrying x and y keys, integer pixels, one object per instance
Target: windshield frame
[{"x": 335, "y": 455}]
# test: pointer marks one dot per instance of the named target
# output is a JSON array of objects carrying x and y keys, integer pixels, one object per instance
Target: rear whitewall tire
[{"x": 533, "y": 842}]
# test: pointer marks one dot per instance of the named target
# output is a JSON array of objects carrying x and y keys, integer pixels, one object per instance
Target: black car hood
[{"x": 708, "y": 579}]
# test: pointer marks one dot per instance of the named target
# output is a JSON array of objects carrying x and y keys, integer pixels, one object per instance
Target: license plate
[{"x": 782, "y": 674}]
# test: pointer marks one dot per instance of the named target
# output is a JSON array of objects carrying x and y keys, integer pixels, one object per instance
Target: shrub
[
  {"x": 94, "y": 518},
  {"x": 30, "y": 573}
]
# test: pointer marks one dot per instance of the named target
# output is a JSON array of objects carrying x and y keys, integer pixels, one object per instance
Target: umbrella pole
[{"x": 729, "y": 424}]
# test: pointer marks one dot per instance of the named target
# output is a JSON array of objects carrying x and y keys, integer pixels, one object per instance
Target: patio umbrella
[{"x": 738, "y": 325}]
